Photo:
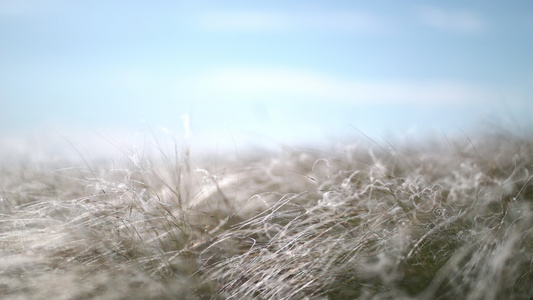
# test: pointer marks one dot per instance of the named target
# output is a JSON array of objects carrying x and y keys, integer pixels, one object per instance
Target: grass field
[{"x": 441, "y": 218}]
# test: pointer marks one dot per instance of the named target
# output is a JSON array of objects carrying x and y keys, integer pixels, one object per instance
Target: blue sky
[{"x": 256, "y": 72}]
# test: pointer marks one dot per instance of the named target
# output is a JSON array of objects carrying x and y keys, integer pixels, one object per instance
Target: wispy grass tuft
[{"x": 450, "y": 218}]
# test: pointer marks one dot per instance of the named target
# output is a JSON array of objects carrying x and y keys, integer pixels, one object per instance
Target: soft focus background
[{"x": 261, "y": 73}]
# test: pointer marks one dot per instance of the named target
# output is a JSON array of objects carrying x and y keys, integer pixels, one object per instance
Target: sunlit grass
[{"x": 449, "y": 218}]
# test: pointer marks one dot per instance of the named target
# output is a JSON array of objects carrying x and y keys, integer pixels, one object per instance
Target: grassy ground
[{"x": 450, "y": 218}]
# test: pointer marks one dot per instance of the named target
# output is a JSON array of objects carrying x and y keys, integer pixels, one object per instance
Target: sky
[{"x": 244, "y": 73}]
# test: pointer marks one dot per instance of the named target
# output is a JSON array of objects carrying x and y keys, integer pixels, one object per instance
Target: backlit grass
[{"x": 449, "y": 218}]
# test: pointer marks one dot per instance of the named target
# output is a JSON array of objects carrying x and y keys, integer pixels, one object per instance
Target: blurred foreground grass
[{"x": 442, "y": 219}]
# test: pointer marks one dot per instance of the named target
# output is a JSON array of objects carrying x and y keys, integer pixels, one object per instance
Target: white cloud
[
  {"x": 254, "y": 22},
  {"x": 454, "y": 21},
  {"x": 246, "y": 83},
  {"x": 242, "y": 22}
]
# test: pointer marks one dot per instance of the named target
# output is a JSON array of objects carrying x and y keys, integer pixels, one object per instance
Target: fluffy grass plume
[{"x": 450, "y": 218}]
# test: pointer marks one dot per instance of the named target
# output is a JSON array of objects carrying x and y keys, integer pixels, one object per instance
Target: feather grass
[{"x": 442, "y": 219}]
